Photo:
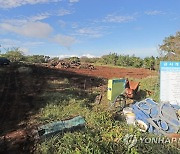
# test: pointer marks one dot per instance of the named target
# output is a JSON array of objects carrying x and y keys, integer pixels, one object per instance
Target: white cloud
[
  {"x": 154, "y": 12},
  {"x": 65, "y": 56},
  {"x": 93, "y": 32},
  {"x": 24, "y": 50},
  {"x": 88, "y": 55},
  {"x": 25, "y": 20},
  {"x": 30, "y": 29},
  {"x": 73, "y": 55},
  {"x": 33, "y": 27},
  {"x": 64, "y": 40},
  {"x": 17, "y": 22},
  {"x": 37, "y": 30},
  {"x": 39, "y": 17},
  {"x": 22, "y": 45},
  {"x": 118, "y": 18},
  {"x": 73, "y": 1},
  {"x": 6, "y": 42},
  {"x": 62, "y": 23},
  {"x": 16, "y": 43},
  {"x": 34, "y": 18},
  {"x": 63, "y": 12},
  {"x": 75, "y": 25},
  {"x": 16, "y": 3}
]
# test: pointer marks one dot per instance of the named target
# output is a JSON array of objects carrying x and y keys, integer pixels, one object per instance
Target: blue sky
[{"x": 87, "y": 27}]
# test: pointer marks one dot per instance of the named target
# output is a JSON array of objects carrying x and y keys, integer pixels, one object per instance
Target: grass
[
  {"x": 103, "y": 133},
  {"x": 149, "y": 87}
]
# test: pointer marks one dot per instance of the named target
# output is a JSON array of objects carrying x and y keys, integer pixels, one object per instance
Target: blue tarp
[{"x": 160, "y": 118}]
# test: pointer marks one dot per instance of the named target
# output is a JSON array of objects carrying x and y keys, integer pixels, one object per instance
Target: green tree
[
  {"x": 85, "y": 59},
  {"x": 35, "y": 59},
  {"x": 125, "y": 60},
  {"x": 171, "y": 44},
  {"x": 110, "y": 59},
  {"x": 137, "y": 62},
  {"x": 74, "y": 59},
  {"x": 104, "y": 59},
  {"x": 14, "y": 55},
  {"x": 149, "y": 62}
]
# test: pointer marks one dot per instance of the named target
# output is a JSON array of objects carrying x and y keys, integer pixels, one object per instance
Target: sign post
[{"x": 170, "y": 82}]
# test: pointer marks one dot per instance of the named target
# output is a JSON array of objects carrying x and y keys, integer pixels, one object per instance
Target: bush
[
  {"x": 35, "y": 59},
  {"x": 14, "y": 55}
]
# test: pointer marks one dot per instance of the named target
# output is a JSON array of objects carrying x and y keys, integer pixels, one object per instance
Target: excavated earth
[{"x": 113, "y": 72}]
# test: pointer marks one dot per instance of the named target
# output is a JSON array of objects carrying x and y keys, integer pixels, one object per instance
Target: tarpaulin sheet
[{"x": 162, "y": 115}]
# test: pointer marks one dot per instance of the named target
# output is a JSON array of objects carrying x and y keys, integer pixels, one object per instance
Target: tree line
[
  {"x": 169, "y": 50},
  {"x": 112, "y": 59}
]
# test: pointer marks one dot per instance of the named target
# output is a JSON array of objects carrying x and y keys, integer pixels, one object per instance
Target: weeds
[
  {"x": 102, "y": 133},
  {"x": 151, "y": 86}
]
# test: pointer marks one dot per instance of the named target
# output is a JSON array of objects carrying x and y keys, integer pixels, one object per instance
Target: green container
[
  {"x": 115, "y": 88},
  {"x": 59, "y": 126}
]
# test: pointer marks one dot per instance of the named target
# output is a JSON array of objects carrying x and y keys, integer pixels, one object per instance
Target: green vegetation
[
  {"x": 127, "y": 61},
  {"x": 150, "y": 87},
  {"x": 36, "y": 59},
  {"x": 14, "y": 55},
  {"x": 112, "y": 59},
  {"x": 104, "y": 131},
  {"x": 73, "y": 59},
  {"x": 171, "y": 44}
]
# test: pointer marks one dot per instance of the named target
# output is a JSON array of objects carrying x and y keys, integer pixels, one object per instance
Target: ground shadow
[
  {"x": 141, "y": 94},
  {"x": 20, "y": 89}
]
